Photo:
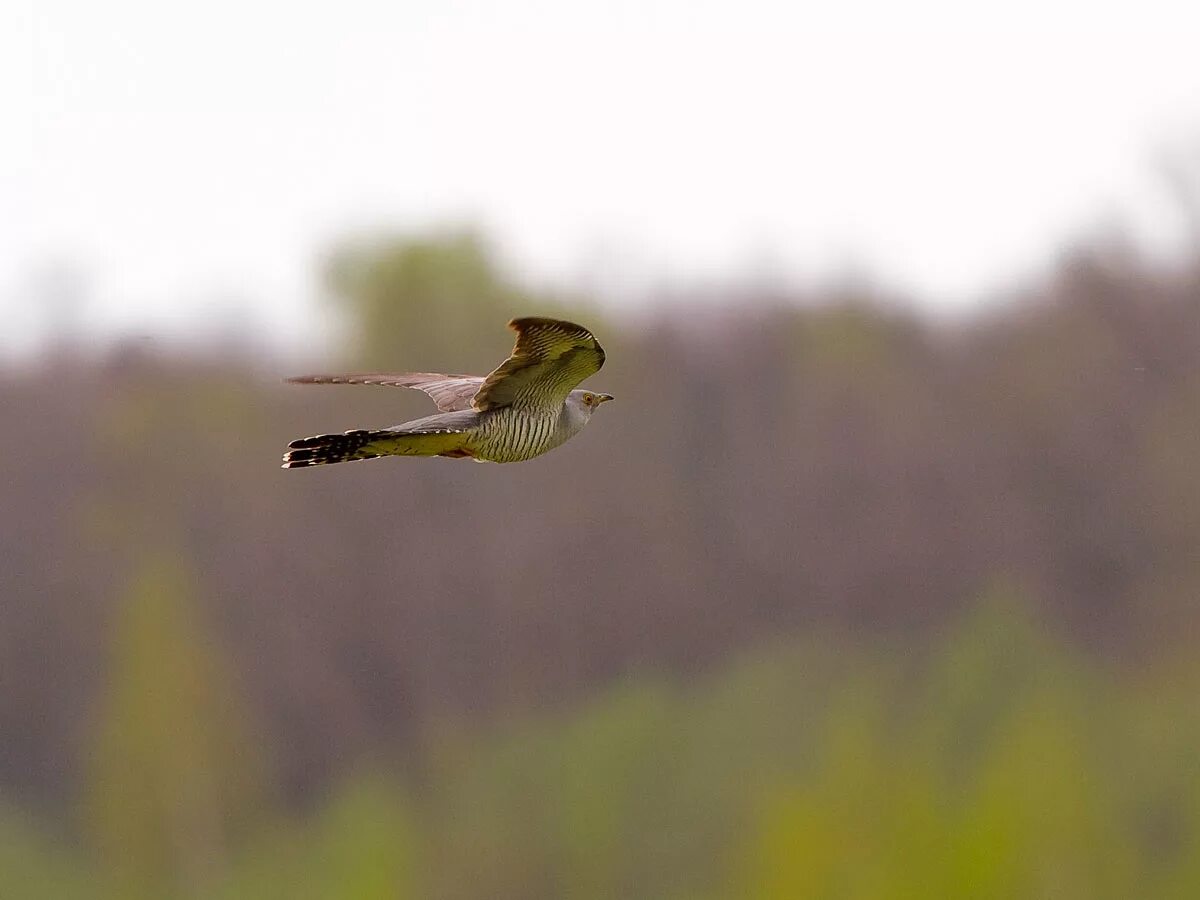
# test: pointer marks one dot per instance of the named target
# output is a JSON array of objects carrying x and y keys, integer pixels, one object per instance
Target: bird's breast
[{"x": 514, "y": 434}]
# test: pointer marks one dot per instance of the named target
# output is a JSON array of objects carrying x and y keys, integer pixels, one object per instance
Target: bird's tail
[{"x": 324, "y": 449}]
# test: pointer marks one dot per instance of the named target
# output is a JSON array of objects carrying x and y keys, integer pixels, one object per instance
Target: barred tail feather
[{"x": 350, "y": 446}]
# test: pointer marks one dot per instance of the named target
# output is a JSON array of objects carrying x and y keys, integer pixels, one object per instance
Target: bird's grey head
[{"x": 583, "y": 403}]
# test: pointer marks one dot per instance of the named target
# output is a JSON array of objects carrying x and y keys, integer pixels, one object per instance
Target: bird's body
[
  {"x": 526, "y": 407},
  {"x": 517, "y": 433}
]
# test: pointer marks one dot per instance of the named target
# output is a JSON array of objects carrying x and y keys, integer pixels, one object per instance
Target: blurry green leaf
[
  {"x": 174, "y": 780},
  {"x": 433, "y": 303}
]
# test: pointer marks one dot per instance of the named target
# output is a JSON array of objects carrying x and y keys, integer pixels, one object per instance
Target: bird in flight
[{"x": 527, "y": 406}]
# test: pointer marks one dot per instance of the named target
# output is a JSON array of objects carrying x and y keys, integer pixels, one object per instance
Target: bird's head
[{"x": 586, "y": 402}]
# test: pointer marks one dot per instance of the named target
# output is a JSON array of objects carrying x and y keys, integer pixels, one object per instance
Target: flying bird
[{"x": 527, "y": 406}]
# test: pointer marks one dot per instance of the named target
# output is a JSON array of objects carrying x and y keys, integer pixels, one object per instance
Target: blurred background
[{"x": 879, "y": 579}]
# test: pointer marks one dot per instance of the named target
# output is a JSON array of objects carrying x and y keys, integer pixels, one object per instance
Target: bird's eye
[{"x": 589, "y": 399}]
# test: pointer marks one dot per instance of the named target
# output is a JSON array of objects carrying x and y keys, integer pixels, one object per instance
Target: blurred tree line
[{"x": 596, "y": 674}]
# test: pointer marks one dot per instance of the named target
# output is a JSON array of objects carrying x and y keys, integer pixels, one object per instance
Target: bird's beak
[{"x": 601, "y": 398}]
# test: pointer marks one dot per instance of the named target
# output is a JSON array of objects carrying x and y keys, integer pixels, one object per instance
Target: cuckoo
[{"x": 527, "y": 406}]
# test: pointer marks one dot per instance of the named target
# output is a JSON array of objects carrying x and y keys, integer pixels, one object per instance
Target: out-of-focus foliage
[
  {"x": 34, "y": 866},
  {"x": 743, "y": 637},
  {"x": 173, "y": 779},
  {"x": 421, "y": 303},
  {"x": 997, "y": 764},
  {"x": 362, "y": 845}
]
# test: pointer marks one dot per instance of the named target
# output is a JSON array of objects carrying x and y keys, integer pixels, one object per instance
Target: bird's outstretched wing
[
  {"x": 550, "y": 358},
  {"x": 450, "y": 392}
]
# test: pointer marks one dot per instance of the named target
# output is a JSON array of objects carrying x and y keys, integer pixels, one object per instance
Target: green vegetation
[
  {"x": 174, "y": 780},
  {"x": 423, "y": 300},
  {"x": 996, "y": 764}
]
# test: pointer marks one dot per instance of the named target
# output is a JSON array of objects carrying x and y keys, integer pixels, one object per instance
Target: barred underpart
[{"x": 517, "y": 433}]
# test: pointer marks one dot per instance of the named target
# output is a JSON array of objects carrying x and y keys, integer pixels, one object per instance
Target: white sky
[{"x": 192, "y": 159}]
